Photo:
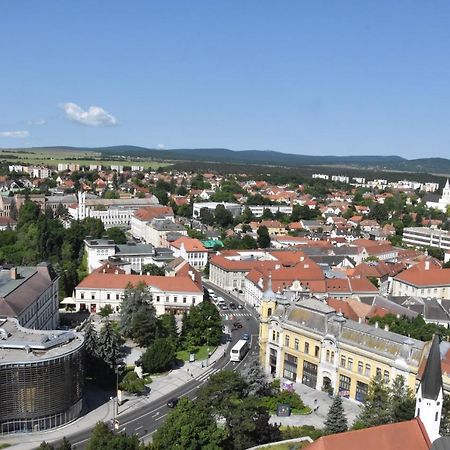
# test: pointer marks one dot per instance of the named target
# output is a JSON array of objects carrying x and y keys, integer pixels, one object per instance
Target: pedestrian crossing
[{"x": 230, "y": 316}]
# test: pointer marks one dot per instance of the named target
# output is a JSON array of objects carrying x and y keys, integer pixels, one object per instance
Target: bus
[{"x": 239, "y": 350}]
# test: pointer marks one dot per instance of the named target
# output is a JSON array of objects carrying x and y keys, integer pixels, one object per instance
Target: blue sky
[{"x": 314, "y": 77}]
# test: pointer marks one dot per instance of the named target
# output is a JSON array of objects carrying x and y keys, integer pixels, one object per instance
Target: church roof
[{"x": 432, "y": 376}]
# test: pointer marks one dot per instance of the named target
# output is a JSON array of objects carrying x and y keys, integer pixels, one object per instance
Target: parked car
[
  {"x": 173, "y": 402},
  {"x": 233, "y": 305},
  {"x": 224, "y": 306},
  {"x": 237, "y": 325},
  {"x": 240, "y": 306},
  {"x": 246, "y": 337}
]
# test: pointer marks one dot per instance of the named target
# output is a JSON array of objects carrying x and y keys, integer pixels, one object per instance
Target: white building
[
  {"x": 258, "y": 210},
  {"x": 142, "y": 217},
  {"x": 191, "y": 250},
  {"x": 112, "y": 212},
  {"x": 444, "y": 201},
  {"x": 234, "y": 208},
  {"x": 426, "y": 237},
  {"x": 170, "y": 294},
  {"x": 340, "y": 178}
]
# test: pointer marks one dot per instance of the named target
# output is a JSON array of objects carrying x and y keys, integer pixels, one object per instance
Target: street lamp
[{"x": 116, "y": 369}]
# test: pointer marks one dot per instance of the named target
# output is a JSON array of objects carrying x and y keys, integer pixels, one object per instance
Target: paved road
[{"x": 145, "y": 421}]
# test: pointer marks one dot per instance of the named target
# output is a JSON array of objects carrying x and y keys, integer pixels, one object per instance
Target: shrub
[{"x": 132, "y": 383}]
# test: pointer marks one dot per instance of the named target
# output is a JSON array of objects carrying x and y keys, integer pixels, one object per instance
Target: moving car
[
  {"x": 173, "y": 402},
  {"x": 237, "y": 325},
  {"x": 233, "y": 305},
  {"x": 240, "y": 306}
]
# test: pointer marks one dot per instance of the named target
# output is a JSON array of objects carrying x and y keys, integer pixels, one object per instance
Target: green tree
[
  {"x": 106, "y": 311},
  {"x": 104, "y": 439},
  {"x": 153, "y": 269},
  {"x": 336, "y": 421},
  {"x": 379, "y": 212},
  {"x": 132, "y": 383},
  {"x": 168, "y": 327},
  {"x": 248, "y": 425},
  {"x": 222, "y": 216},
  {"x": 256, "y": 379},
  {"x": 444, "y": 429},
  {"x": 65, "y": 444},
  {"x": 188, "y": 427},
  {"x": 376, "y": 410},
  {"x": 109, "y": 345},
  {"x": 138, "y": 315},
  {"x": 221, "y": 388},
  {"x": 402, "y": 401},
  {"x": 263, "y": 237},
  {"x": 117, "y": 235},
  {"x": 159, "y": 356},
  {"x": 46, "y": 446}
]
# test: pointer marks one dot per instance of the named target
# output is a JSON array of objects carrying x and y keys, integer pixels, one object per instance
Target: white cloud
[
  {"x": 95, "y": 116},
  {"x": 36, "y": 122},
  {"x": 20, "y": 134},
  {"x": 160, "y": 146}
]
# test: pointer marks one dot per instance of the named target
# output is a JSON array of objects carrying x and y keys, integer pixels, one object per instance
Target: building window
[
  {"x": 343, "y": 361},
  {"x": 269, "y": 312},
  {"x": 117, "y": 297},
  {"x": 286, "y": 341},
  {"x": 296, "y": 344},
  {"x": 290, "y": 367},
  {"x": 362, "y": 389},
  {"x": 184, "y": 299},
  {"x": 108, "y": 296},
  {"x": 436, "y": 416},
  {"x": 350, "y": 364},
  {"x": 332, "y": 357},
  {"x": 367, "y": 374},
  {"x": 328, "y": 356},
  {"x": 92, "y": 296},
  {"x": 175, "y": 298},
  {"x": 386, "y": 376},
  {"x": 344, "y": 386},
  {"x": 157, "y": 298},
  {"x": 82, "y": 296},
  {"x": 306, "y": 347},
  {"x": 316, "y": 351},
  {"x": 273, "y": 335},
  {"x": 378, "y": 372},
  {"x": 360, "y": 367}
]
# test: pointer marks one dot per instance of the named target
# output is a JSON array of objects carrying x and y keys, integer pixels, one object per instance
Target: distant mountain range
[{"x": 266, "y": 157}]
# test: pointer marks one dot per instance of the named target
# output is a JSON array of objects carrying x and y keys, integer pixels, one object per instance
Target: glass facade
[{"x": 40, "y": 395}]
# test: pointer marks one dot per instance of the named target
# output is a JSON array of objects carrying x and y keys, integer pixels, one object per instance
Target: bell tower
[{"x": 268, "y": 305}]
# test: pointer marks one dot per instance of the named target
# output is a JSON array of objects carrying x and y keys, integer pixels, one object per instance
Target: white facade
[
  {"x": 444, "y": 201},
  {"x": 258, "y": 210},
  {"x": 426, "y": 237},
  {"x": 196, "y": 258}
]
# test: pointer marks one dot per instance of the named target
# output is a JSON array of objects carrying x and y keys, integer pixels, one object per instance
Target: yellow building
[{"x": 306, "y": 341}]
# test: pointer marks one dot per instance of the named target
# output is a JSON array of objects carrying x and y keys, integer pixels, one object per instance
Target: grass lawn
[
  {"x": 201, "y": 353},
  {"x": 5, "y": 445}
]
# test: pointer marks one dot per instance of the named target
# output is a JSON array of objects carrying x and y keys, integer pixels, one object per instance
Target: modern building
[
  {"x": 304, "y": 340},
  {"x": 30, "y": 295},
  {"x": 142, "y": 217},
  {"x": 234, "y": 208},
  {"x": 160, "y": 232},
  {"x": 41, "y": 378},
  {"x": 258, "y": 210},
  {"x": 170, "y": 294},
  {"x": 426, "y": 237}
]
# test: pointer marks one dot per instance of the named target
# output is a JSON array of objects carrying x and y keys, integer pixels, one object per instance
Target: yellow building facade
[{"x": 306, "y": 341}]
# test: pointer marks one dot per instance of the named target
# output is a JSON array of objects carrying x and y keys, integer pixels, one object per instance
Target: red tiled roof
[
  {"x": 409, "y": 435},
  {"x": 120, "y": 281},
  {"x": 190, "y": 244},
  {"x": 421, "y": 277},
  {"x": 150, "y": 212}
]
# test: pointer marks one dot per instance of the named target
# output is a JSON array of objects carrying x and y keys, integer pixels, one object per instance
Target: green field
[
  {"x": 54, "y": 157},
  {"x": 200, "y": 354}
]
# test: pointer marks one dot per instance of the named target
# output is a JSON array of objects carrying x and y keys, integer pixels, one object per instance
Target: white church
[{"x": 443, "y": 201}]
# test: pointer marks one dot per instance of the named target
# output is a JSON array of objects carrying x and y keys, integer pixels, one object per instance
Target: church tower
[
  {"x": 446, "y": 192},
  {"x": 429, "y": 394},
  {"x": 268, "y": 305}
]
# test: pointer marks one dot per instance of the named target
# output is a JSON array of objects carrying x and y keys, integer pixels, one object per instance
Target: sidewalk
[
  {"x": 161, "y": 386},
  {"x": 321, "y": 402}
]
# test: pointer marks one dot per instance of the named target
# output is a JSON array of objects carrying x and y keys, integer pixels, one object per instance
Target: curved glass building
[{"x": 41, "y": 378}]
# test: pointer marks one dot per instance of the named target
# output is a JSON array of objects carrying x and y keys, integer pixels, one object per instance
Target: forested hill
[{"x": 267, "y": 157}]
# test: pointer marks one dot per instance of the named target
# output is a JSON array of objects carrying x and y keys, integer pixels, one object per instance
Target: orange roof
[
  {"x": 120, "y": 281},
  {"x": 421, "y": 277},
  {"x": 150, "y": 212},
  {"x": 190, "y": 244},
  {"x": 410, "y": 435}
]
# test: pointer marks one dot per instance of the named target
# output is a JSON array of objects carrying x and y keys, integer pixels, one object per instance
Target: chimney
[
  {"x": 13, "y": 273},
  {"x": 427, "y": 265}
]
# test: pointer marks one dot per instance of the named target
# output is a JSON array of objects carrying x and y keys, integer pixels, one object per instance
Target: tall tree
[
  {"x": 257, "y": 383},
  {"x": 188, "y": 427},
  {"x": 376, "y": 410},
  {"x": 248, "y": 425},
  {"x": 138, "y": 315},
  {"x": 444, "y": 429},
  {"x": 109, "y": 345},
  {"x": 402, "y": 401},
  {"x": 263, "y": 237},
  {"x": 336, "y": 421},
  {"x": 159, "y": 356}
]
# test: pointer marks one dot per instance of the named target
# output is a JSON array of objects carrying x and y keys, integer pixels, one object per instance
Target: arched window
[{"x": 269, "y": 312}]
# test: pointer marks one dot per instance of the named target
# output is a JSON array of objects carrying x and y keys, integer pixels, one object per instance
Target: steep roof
[{"x": 431, "y": 381}]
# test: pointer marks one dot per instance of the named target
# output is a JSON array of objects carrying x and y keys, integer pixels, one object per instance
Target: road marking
[
  {"x": 138, "y": 428},
  {"x": 161, "y": 417}
]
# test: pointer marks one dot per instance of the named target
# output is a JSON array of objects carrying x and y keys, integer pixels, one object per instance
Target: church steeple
[{"x": 429, "y": 395}]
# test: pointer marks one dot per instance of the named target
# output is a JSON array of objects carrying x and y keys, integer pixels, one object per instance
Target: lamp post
[{"x": 117, "y": 368}]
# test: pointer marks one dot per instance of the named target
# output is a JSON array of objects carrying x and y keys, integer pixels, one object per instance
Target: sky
[{"x": 317, "y": 77}]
